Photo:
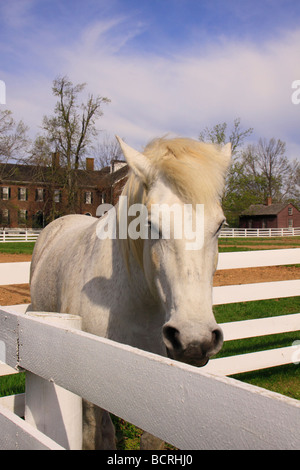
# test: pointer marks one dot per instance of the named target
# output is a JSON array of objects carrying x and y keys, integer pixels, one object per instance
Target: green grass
[
  {"x": 127, "y": 435},
  {"x": 261, "y": 240},
  {"x": 283, "y": 379},
  {"x": 17, "y": 247},
  {"x": 250, "y": 244},
  {"x": 239, "y": 244},
  {"x": 12, "y": 384},
  {"x": 257, "y": 309}
]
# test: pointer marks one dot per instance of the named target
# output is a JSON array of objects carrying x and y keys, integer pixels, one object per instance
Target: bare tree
[
  {"x": 218, "y": 135},
  {"x": 270, "y": 159},
  {"x": 14, "y": 144},
  {"x": 14, "y": 141},
  {"x": 71, "y": 130},
  {"x": 46, "y": 170},
  {"x": 275, "y": 175},
  {"x": 106, "y": 150},
  {"x": 232, "y": 200},
  {"x": 291, "y": 189}
]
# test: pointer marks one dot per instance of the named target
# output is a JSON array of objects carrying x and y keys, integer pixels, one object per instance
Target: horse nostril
[
  {"x": 217, "y": 338},
  {"x": 172, "y": 336}
]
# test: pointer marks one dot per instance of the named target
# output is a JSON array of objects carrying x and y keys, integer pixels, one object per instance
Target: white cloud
[
  {"x": 155, "y": 94},
  {"x": 152, "y": 95}
]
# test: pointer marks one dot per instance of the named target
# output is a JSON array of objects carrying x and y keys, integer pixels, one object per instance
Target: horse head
[{"x": 180, "y": 182}]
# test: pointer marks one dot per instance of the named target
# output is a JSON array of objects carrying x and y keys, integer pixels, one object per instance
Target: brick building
[
  {"x": 269, "y": 215},
  {"x": 30, "y": 196}
]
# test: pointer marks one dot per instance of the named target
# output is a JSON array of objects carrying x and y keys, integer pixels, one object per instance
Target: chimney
[
  {"x": 89, "y": 164},
  {"x": 55, "y": 159},
  {"x": 116, "y": 164},
  {"x": 269, "y": 201}
]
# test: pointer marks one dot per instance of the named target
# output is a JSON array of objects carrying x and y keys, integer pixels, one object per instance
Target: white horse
[{"x": 152, "y": 292}]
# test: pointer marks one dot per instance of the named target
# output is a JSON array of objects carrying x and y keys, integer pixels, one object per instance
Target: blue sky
[{"x": 168, "y": 66}]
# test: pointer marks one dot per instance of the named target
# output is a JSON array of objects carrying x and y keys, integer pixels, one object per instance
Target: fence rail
[
  {"x": 30, "y": 235},
  {"x": 14, "y": 235},
  {"x": 158, "y": 394},
  {"x": 260, "y": 232},
  {"x": 18, "y": 273}
]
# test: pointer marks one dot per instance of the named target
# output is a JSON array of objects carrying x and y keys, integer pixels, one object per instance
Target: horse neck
[
  {"x": 142, "y": 314},
  {"x": 133, "y": 277}
]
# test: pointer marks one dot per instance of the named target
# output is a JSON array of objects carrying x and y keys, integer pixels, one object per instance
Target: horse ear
[
  {"x": 226, "y": 153},
  {"x": 137, "y": 162}
]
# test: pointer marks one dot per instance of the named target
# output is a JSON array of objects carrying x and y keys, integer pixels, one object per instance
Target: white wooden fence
[
  {"x": 13, "y": 235},
  {"x": 190, "y": 408},
  {"x": 30, "y": 235},
  {"x": 260, "y": 232}
]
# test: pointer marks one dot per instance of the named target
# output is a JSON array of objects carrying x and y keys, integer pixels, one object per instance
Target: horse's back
[
  {"x": 51, "y": 249},
  {"x": 55, "y": 232}
]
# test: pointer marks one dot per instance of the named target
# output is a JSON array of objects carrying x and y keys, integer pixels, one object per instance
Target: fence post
[{"x": 51, "y": 409}]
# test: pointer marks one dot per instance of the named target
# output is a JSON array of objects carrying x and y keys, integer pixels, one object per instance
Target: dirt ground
[
  {"x": 20, "y": 294},
  {"x": 13, "y": 258}
]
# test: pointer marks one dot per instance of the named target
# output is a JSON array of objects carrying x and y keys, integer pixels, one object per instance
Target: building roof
[
  {"x": 262, "y": 209},
  {"x": 112, "y": 178},
  {"x": 33, "y": 174}
]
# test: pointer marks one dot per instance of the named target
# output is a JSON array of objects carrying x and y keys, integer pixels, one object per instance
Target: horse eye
[
  {"x": 155, "y": 233},
  {"x": 220, "y": 227}
]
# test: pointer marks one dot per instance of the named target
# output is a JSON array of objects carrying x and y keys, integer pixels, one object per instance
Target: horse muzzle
[{"x": 195, "y": 352}]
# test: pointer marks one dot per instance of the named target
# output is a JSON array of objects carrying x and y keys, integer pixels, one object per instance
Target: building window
[
  {"x": 38, "y": 220},
  {"x": 5, "y": 193},
  {"x": 290, "y": 211},
  {"x": 22, "y": 216},
  {"x": 88, "y": 197},
  {"x": 22, "y": 194},
  {"x": 57, "y": 195},
  {"x": 290, "y": 223},
  {"x": 39, "y": 194},
  {"x": 5, "y": 219}
]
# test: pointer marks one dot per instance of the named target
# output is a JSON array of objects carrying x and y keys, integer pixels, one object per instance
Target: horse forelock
[{"x": 194, "y": 170}]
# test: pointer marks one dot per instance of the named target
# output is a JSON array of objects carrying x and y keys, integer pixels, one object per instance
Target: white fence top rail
[
  {"x": 14, "y": 273},
  {"x": 244, "y": 362},
  {"x": 18, "y": 273},
  {"x": 223, "y": 413},
  {"x": 259, "y": 232},
  {"x": 255, "y": 291},
  {"x": 232, "y": 331},
  {"x": 260, "y": 327},
  {"x": 257, "y": 258}
]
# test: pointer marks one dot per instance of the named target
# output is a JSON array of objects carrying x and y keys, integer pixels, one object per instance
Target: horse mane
[{"x": 195, "y": 171}]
